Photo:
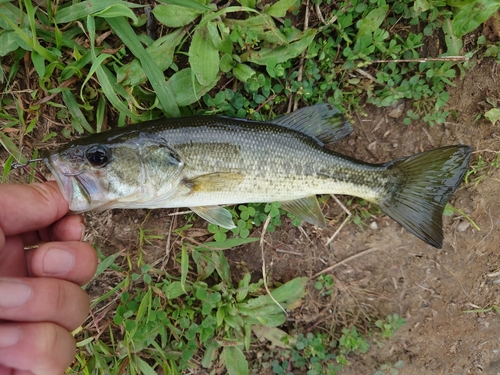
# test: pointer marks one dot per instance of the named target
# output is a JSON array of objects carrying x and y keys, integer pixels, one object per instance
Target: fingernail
[
  {"x": 57, "y": 261},
  {"x": 13, "y": 293},
  {"x": 9, "y": 335}
]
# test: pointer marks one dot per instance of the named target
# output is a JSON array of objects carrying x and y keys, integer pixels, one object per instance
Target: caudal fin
[{"x": 423, "y": 183}]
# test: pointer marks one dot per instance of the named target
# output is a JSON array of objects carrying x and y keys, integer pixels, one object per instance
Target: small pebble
[
  {"x": 463, "y": 225},
  {"x": 396, "y": 110}
]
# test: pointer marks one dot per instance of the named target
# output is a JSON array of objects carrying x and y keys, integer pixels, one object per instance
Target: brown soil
[{"x": 434, "y": 290}]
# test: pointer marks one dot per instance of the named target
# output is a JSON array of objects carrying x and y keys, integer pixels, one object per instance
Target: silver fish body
[{"x": 203, "y": 162}]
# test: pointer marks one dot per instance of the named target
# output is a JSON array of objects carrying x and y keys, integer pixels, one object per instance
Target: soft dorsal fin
[
  {"x": 307, "y": 209},
  {"x": 322, "y": 121}
]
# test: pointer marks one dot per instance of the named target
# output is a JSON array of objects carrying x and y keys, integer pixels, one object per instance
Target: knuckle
[{"x": 60, "y": 299}]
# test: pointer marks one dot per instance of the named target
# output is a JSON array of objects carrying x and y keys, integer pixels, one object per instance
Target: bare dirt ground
[{"x": 434, "y": 290}]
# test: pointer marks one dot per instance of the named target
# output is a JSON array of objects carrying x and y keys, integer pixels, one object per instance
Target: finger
[
  {"x": 69, "y": 228},
  {"x": 30, "y": 207},
  {"x": 42, "y": 348},
  {"x": 71, "y": 261},
  {"x": 12, "y": 260},
  {"x": 43, "y": 299}
]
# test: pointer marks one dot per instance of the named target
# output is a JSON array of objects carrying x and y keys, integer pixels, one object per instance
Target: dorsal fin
[{"x": 322, "y": 121}]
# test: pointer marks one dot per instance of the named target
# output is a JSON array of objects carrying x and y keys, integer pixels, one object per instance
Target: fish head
[{"x": 93, "y": 175}]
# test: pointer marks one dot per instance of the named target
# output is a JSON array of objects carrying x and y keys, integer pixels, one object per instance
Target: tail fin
[{"x": 422, "y": 186}]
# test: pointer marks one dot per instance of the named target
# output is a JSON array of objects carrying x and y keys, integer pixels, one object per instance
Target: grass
[{"x": 94, "y": 65}]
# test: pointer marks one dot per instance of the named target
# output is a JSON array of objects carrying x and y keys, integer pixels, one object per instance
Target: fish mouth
[{"x": 74, "y": 185}]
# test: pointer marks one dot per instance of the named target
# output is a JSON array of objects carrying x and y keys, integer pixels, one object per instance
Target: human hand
[{"x": 40, "y": 297}]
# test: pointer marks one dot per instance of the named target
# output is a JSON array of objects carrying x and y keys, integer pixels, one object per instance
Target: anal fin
[
  {"x": 307, "y": 209},
  {"x": 215, "y": 215}
]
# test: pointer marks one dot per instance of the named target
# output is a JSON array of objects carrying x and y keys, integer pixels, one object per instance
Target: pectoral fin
[
  {"x": 215, "y": 215},
  {"x": 307, "y": 209},
  {"x": 218, "y": 181}
]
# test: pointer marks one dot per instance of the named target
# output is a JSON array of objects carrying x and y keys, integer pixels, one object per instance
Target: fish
[{"x": 207, "y": 162}]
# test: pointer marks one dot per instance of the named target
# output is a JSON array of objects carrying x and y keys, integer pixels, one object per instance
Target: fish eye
[{"x": 97, "y": 156}]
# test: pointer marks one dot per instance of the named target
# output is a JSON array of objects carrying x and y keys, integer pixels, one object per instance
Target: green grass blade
[
  {"x": 227, "y": 244},
  {"x": 184, "y": 267},
  {"x": 26, "y": 38},
  {"x": 145, "y": 368},
  {"x": 222, "y": 266},
  {"x": 11, "y": 148},
  {"x": 48, "y": 37},
  {"x": 190, "y": 4},
  {"x": 106, "y": 263},
  {"x": 79, "y": 122},
  {"x": 95, "y": 65},
  {"x": 31, "y": 126},
  {"x": 116, "y": 289},
  {"x": 143, "y": 307},
  {"x": 86, "y": 8},
  {"x": 101, "y": 109},
  {"x": 110, "y": 88},
  {"x": 7, "y": 167},
  {"x": 118, "y": 10},
  {"x": 165, "y": 94},
  {"x": 108, "y": 81},
  {"x": 161, "y": 51},
  {"x": 31, "y": 18}
]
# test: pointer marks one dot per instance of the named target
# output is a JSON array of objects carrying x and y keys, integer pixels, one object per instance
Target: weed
[
  {"x": 450, "y": 210},
  {"x": 351, "y": 340},
  {"x": 390, "y": 326},
  {"x": 325, "y": 285},
  {"x": 389, "y": 369},
  {"x": 166, "y": 322},
  {"x": 251, "y": 216},
  {"x": 361, "y": 210},
  {"x": 481, "y": 169},
  {"x": 313, "y": 352}
]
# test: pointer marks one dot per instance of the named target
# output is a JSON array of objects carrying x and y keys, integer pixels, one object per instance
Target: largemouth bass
[{"x": 203, "y": 162}]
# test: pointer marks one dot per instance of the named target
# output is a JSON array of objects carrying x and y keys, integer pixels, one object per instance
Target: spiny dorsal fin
[
  {"x": 321, "y": 121},
  {"x": 216, "y": 215},
  {"x": 307, "y": 209}
]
